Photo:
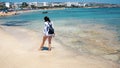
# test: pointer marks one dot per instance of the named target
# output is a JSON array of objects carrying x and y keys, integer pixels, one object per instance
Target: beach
[
  {"x": 19, "y": 49},
  {"x": 8, "y": 13},
  {"x": 16, "y": 12},
  {"x": 27, "y": 11}
]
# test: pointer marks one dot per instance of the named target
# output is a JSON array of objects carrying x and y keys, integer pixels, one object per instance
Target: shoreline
[
  {"x": 16, "y": 12},
  {"x": 8, "y": 13},
  {"x": 25, "y": 11}
]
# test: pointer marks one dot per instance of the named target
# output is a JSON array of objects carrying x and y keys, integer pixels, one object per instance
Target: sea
[
  {"x": 108, "y": 16},
  {"x": 88, "y": 30},
  {"x": 66, "y": 17}
]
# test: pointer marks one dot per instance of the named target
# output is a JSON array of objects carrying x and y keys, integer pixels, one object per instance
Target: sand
[
  {"x": 19, "y": 49},
  {"x": 8, "y": 13},
  {"x": 26, "y": 11},
  {"x": 16, "y": 12}
]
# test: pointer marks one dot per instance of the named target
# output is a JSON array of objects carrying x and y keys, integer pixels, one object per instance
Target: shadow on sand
[{"x": 46, "y": 48}]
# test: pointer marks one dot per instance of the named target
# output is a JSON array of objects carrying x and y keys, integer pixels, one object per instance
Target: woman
[{"x": 47, "y": 34}]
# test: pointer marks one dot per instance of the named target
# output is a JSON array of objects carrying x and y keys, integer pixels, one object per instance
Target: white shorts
[{"x": 48, "y": 34}]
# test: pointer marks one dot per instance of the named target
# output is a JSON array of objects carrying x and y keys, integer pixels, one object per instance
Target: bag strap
[{"x": 49, "y": 26}]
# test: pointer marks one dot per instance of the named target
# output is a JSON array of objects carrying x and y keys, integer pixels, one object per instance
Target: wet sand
[{"x": 19, "y": 49}]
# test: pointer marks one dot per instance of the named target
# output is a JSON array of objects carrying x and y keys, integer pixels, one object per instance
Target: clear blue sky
[{"x": 99, "y": 1}]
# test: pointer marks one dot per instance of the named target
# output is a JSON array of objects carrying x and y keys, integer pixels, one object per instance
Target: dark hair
[{"x": 47, "y": 19}]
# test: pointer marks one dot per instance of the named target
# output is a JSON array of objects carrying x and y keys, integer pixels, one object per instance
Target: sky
[{"x": 98, "y": 1}]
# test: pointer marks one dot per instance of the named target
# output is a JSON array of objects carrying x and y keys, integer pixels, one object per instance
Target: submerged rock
[{"x": 111, "y": 57}]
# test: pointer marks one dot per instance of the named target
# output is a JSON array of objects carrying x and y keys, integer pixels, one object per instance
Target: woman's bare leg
[
  {"x": 43, "y": 41},
  {"x": 49, "y": 42}
]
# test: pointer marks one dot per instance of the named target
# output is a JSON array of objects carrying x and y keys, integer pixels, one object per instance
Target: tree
[
  {"x": 3, "y": 7},
  {"x": 24, "y": 5},
  {"x": 33, "y": 7}
]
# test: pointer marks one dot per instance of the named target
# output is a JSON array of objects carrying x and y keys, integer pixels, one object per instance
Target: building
[
  {"x": 68, "y": 4},
  {"x": 45, "y": 4},
  {"x": 57, "y": 4},
  {"x": 33, "y": 3},
  {"x": 9, "y": 4},
  {"x": 17, "y": 5},
  {"x": 82, "y": 4},
  {"x": 39, "y": 4},
  {"x": 75, "y": 3}
]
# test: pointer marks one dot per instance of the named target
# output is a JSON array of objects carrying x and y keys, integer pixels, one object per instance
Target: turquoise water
[
  {"x": 66, "y": 17},
  {"x": 108, "y": 15}
]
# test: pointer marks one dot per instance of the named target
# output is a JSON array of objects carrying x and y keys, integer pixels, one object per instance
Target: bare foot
[
  {"x": 49, "y": 49},
  {"x": 40, "y": 49}
]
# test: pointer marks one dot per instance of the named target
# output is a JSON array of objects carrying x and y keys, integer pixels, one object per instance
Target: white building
[
  {"x": 33, "y": 3},
  {"x": 75, "y": 3},
  {"x": 39, "y": 4},
  {"x": 57, "y": 4},
  {"x": 7, "y": 4},
  {"x": 45, "y": 4},
  {"x": 68, "y": 4},
  {"x": 82, "y": 4},
  {"x": 17, "y": 5}
]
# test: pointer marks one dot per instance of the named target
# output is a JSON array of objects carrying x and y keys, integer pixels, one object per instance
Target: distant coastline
[
  {"x": 9, "y": 8},
  {"x": 2, "y": 14},
  {"x": 25, "y": 11}
]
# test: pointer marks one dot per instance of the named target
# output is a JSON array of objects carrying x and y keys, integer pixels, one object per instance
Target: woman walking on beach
[{"x": 48, "y": 33}]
